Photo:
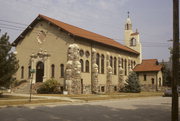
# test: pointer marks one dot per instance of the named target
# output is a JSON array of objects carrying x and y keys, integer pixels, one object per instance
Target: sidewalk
[{"x": 45, "y": 97}]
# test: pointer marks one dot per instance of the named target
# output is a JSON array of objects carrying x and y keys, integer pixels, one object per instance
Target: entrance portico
[{"x": 40, "y": 62}]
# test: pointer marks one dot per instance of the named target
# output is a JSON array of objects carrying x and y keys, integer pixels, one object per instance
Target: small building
[{"x": 150, "y": 74}]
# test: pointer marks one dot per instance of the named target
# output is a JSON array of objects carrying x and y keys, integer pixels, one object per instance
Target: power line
[
  {"x": 12, "y": 22},
  {"x": 11, "y": 28},
  {"x": 8, "y": 25}
]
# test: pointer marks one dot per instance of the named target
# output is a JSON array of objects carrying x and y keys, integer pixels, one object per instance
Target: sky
[{"x": 152, "y": 18}]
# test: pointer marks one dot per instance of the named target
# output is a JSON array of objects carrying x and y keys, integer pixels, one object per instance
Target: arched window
[
  {"x": 119, "y": 61},
  {"x": 144, "y": 77},
  {"x": 152, "y": 81},
  {"x": 127, "y": 26},
  {"x": 87, "y": 54},
  {"x": 82, "y": 65},
  {"x": 62, "y": 70},
  {"x": 115, "y": 66},
  {"x": 22, "y": 72},
  {"x": 134, "y": 63},
  {"x": 81, "y": 52},
  {"x": 97, "y": 61},
  {"x": 87, "y": 66},
  {"x": 102, "y": 64},
  {"x": 111, "y": 61},
  {"x": 131, "y": 64},
  {"x": 125, "y": 70},
  {"x": 29, "y": 72},
  {"x": 52, "y": 70},
  {"x": 122, "y": 63},
  {"x": 159, "y": 81},
  {"x": 133, "y": 42}
]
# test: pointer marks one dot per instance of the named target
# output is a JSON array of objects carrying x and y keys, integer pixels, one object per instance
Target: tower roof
[{"x": 128, "y": 20}]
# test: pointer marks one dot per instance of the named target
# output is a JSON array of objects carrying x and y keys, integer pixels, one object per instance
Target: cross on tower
[{"x": 128, "y": 13}]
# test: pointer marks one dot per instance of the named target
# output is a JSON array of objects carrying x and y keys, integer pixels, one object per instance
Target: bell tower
[{"x": 132, "y": 39}]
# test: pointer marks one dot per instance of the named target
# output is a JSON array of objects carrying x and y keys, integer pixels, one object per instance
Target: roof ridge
[{"x": 75, "y": 26}]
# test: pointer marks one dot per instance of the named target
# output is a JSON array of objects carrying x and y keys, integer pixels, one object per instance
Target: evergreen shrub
[{"x": 133, "y": 84}]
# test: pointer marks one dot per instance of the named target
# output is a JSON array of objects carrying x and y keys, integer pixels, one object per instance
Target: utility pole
[{"x": 175, "y": 61}]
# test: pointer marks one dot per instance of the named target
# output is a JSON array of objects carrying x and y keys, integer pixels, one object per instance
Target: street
[{"x": 133, "y": 109}]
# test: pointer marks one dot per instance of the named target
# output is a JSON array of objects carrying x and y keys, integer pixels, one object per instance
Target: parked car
[
  {"x": 168, "y": 92},
  {"x": 2, "y": 90}
]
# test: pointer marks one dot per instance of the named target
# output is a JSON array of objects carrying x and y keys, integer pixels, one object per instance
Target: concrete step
[{"x": 22, "y": 88}]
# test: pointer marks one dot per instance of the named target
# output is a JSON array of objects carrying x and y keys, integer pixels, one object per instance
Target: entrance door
[{"x": 39, "y": 71}]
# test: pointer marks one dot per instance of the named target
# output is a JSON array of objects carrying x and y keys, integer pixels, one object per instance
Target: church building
[{"x": 82, "y": 62}]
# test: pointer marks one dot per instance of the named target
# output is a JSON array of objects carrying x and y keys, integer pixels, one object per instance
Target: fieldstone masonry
[
  {"x": 73, "y": 70},
  {"x": 120, "y": 75},
  {"x": 109, "y": 86},
  {"x": 95, "y": 85}
]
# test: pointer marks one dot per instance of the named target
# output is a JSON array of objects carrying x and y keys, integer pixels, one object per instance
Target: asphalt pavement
[{"x": 132, "y": 109}]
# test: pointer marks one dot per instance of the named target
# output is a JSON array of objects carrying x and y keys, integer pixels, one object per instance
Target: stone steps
[{"x": 22, "y": 88}]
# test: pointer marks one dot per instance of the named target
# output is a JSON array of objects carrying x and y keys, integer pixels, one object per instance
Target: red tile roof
[
  {"x": 148, "y": 65},
  {"x": 136, "y": 33},
  {"x": 88, "y": 35},
  {"x": 79, "y": 32}
]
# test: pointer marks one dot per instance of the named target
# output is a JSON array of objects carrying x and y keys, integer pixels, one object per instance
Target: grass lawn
[
  {"x": 119, "y": 96},
  {"x": 23, "y": 102},
  {"x": 10, "y": 97},
  {"x": 91, "y": 97},
  {"x": 9, "y": 100}
]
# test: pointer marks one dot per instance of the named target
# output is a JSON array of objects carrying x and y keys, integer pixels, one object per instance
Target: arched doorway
[
  {"x": 159, "y": 81},
  {"x": 39, "y": 71},
  {"x": 152, "y": 81}
]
